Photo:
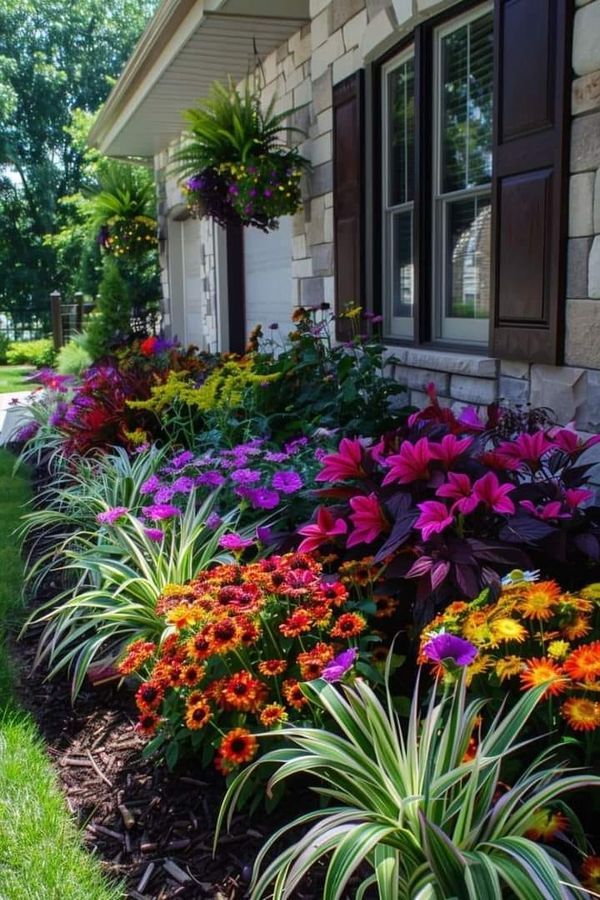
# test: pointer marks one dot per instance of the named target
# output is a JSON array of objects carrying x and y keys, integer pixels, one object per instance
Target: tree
[{"x": 56, "y": 56}]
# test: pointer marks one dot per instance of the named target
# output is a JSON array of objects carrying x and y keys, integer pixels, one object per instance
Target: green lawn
[
  {"x": 12, "y": 378},
  {"x": 41, "y": 855}
]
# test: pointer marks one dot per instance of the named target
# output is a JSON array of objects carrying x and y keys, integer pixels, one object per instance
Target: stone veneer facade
[{"x": 341, "y": 37}]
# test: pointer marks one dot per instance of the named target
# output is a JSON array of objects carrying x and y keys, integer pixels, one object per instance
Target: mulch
[{"x": 152, "y": 828}]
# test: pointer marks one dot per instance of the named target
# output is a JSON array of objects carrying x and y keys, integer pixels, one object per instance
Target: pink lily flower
[
  {"x": 411, "y": 463},
  {"x": 368, "y": 520},
  {"x": 551, "y": 510},
  {"x": 459, "y": 488},
  {"x": 450, "y": 449},
  {"x": 492, "y": 460},
  {"x": 526, "y": 448},
  {"x": 494, "y": 495},
  {"x": 470, "y": 419},
  {"x": 434, "y": 518},
  {"x": 346, "y": 463},
  {"x": 567, "y": 440},
  {"x": 324, "y": 530},
  {"x": 574, "y": 497}
]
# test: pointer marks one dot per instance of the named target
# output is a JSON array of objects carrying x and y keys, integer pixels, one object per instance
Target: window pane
[
  {"x": 402, "y": 265},
  {"x": 468, "y": 224},
  {"x": 401, "y": 131},
  {"x": 466, "y": 105}
]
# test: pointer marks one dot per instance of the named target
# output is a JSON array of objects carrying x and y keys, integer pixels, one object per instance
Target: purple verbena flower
[
  {"x": 210, "y": 479},
  {"x": 444, "y": 648},
  {"x": 213, "y": 521},
  {"x": 110, "y": 516},
  {"x": 263, "y": 498},
  {"x": 287, "y": 481},
  {"x": 245, "y": 476},
  {"x": 181, "y": 460},
  {"x": 159, "y": 511},
  {"x": 183, "y": 485},
  {"x": 164, "y": 494},
  {"x": 154, "y": 534},
  {"x": 150, "y": 485},
  {"x": 340, "y": 665},
  {"x": 276, "y": 456},
  {"x": 234, "y": 542}
]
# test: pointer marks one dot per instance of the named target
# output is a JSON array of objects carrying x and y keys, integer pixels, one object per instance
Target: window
[{"x": 456, "y": 167}]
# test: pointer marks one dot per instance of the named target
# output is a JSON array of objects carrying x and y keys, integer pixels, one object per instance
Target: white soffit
[{"x": 143, "y": 113}]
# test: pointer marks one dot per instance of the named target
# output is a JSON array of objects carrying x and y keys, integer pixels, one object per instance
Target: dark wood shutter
[
  {"x": 529, "y": 186},
  {"x": 348, "y": 193}
]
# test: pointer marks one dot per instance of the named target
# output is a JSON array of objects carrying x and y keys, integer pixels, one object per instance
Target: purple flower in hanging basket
[
  {"x": 448, "y": 648},
  {"x": 268, "y": 192},
  {"x": 340, "y": 665},
  {"x": 233, "y": 189}
]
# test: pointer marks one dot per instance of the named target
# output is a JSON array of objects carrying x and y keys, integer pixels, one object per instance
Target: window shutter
[
  {"x": 529, "y": 184},
  {"x": 348, "y": 193}
]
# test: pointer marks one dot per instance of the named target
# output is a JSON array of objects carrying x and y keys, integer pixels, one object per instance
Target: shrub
[
  {"x": 454, "y": 503},
  {"x": 73, "y": 358},
  {"x": 429, "y": 816},
  {"x": 241, "y": 638},
  {"x": 31, "y": 353},
  {"x": 110, "y": 323}
]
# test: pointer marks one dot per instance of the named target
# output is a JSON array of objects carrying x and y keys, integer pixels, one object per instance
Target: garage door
[{"x": 268, "y": 276}]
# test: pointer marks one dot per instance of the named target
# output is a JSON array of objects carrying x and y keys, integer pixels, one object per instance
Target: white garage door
[
  {"x": 268, "y": 277},
  {"x": 192, "y": 287}
]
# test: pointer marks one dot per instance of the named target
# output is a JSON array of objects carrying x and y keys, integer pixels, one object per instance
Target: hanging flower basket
[
  {"x": 236, "y": 170},
  {"x": 125, "y": 236}
]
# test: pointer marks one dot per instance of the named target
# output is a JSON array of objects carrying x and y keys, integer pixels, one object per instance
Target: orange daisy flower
[
  {"x": 192, "y": 674},
  {"x": 506, "y": 629},
  {"x": 147, "y": 724},
  {"x": 581, "y": 714},
  {"x": 243, "y": 692},
  {"x": 386, "y": 606},
  {"x": 590, "y": 873},
  {"x": 137, "y": 654},
  {"x": 584, "y": 663},
  {"x": 577, "y": 628},
  {"x": 149, "y": 696},
  {"x": 540, "y": 671},
  {"x": 348, "y": 625},
  {"x": 312, "y": 662},
  {"x": 238, "y": 746},
  {"x": 198, "y": 715},
  {"x": 293, "y": 694},
  {"x": 199, "y": 647},
  {"x": 546, "y": 825},
  {"x": 225, "y": 636},
  {"x": 558, "y": 649},
  {"x": 540, "y": 600},
  {"x": 298, "y": 623},
  {"x": 272, "y": 667},
  {"x": 273, "y": 714},
  {"x": 508, "y": 666},
  {"x": 334, "y": 592}
]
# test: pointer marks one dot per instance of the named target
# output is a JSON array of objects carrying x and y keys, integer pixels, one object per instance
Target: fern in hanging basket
[{"x": 234, "y": 166}]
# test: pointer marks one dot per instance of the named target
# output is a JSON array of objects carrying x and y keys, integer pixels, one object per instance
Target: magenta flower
[
  {"x": 110, "y": 516},
  {"x": 160, "y": 511},
  {"x": 574, "y": 497},
  {"x": 450, "y": 448},
  {"x": 551, "y": 510},
  {"x": 411, "y": 463},
  {"x": 183, "y": 485},
  {"x": 234, "y": 542},
  {"x": 245, "y": 476},
  {"x": 213, "y": 521},
  {"x": 469, "y": 419},
  {"x": 154, "y": 534},
  {"x": 164, "y": 494},
  {"x": 212, "y": 478},
  {"x": 287, "y": 481},
  {"x": 448, "y": 648},
  {"x": 151, "y": 485},
  {"x": 263, "y": 498},
  {"x": 494, "y": 495},
  {"x": 181, "y": 460},
  {"x": 526, "y": 448},
  {"x": 569, "y": 441},
  {"x": 340, "y": 665},
  {"x": 434, "y": 518},
  {"x": 324, "y": 530},
  {"x": 368, "y": 520},
  {"x": 276, "y": 456},
  {"x": 459, "y": 488},
  {"x": 346, "y": 463}
]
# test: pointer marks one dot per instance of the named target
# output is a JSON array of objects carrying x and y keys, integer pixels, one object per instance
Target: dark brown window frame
[{"x": 422, "y": 39}]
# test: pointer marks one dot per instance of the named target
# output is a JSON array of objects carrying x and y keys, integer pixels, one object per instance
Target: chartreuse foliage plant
[{"x": 429, "y": 819}]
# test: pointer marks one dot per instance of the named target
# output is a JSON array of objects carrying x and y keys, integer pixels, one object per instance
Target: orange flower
[
  {"x": 348, "y": 625},
  {"x": 183, "y": 616},
  {"x": 506, "y": 629},
  {"x": 272, "y": 715},
  {"x": 546, "y": 825},
  {"x": 577, "y": 628},
  {"x": 508, "y": 666},
  {"x": 386, "y": 606},
  {"x": 540, "y": 671},
  {"x": 147, "y": 724},
  {"x": 198, "y": 715},
  {"x": 272, "y": 667},
  {"x": 298, "y": 623},
  {"x": 243, "y": 692},
  {"x": 199, "y": 647},
  {"x": 590, "y": 873},
  {"x": 249, "y": 631},
  {"x": 312, "y": 662},
  {"x": 137, "y": 654},
  {"x": 334, "y": 592},
  {"x": 540, "y": 600},
  {"x": 149, "y": 696},
  {"x": 584, "y": 663},
  {"x": 293, "y": 694},
  {"x": 238, "y": 746},
  {"x": 225, "y": 636},
  {"x": 191, "y": 675},
  {"x": 581, "y": 714}
]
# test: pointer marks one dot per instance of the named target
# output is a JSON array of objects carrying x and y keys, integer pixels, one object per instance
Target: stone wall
[{"x": 343, "y": 36}]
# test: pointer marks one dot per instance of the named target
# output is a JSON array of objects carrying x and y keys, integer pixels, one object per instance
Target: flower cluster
[
  {"x": 128, "y": 236},
  {"x": 457, "y": 501},
  {"x": 241, "y": 640},
  {"x": 532, "y": 633},
  {"x": 256, "y": 192}
]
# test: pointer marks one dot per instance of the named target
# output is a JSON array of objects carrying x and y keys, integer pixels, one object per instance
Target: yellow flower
[
  {"x": 508, "y": 666},
  {"x": 558, "y": 649},
  {"x": 508, "y": 630}
]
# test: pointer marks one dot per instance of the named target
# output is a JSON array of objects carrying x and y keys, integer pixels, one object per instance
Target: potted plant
[{"x": 234, "y": 164}]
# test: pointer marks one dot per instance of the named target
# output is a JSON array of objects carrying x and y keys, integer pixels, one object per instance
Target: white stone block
[
  {"x": 594, "y": 270},
  {"x": 320, "y": 149},
  {"x": 346, "y": 65},
  {"x": 324, "y": 55},
  {"x": 353, "y": 30},
  {"x": 328, "y": 224},
  {"x": 303, "y": 50},
  {"x": 403, "y": 10},
  {"x": 319, "y": 29},
  {"x": 581, "y": 204},
  {"x": 328, "y": 198},
  {"x": 317, "y": 6},
  {"x": 302, "y": 268},
  {"x": 303, "y": 93},
  {"x": 324, "y": 121},
  {"x": 585, "y": 93},
  {"x": 559, "y": 388},
  {"x": 379, "y": 33},
  {"x": 514, "y": 368},
  {"x": 442, "y": 361},
  {"x": 329, "y": 289},
  {"x": 473, "y": 390},
  {"x": 597, "y": 203},
  {"x": 586, "y": 39},
  {"x": 299, "y": 246}
]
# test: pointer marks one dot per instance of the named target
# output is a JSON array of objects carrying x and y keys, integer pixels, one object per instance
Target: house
[{"x": 455, "y": 183}]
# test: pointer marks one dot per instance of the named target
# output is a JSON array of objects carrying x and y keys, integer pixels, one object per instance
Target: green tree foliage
[
  {"x": 110, "y": 322},
  {"x": 55, "y": 56}
]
